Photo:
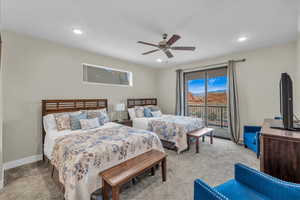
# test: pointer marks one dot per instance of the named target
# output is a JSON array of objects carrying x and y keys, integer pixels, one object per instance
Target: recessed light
[
  {"x": 242, "y": 39},
  {"x": 159, "y": 60},
  {"x": 77, "y": 31}
]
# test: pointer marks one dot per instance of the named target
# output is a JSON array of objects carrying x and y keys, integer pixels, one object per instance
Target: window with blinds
[{"x": 105, "y": 75}]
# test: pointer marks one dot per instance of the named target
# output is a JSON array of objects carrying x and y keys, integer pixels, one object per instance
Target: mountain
[
  {"x": 203, "y": 93},
  {"x": 212, "y": 98}
]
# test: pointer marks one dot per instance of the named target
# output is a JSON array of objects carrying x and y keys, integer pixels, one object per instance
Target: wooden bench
[
  {"x": 116, "y": 176},
  {"x": 200, "y": 133}
]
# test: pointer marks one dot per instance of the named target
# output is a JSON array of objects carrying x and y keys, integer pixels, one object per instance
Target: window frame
[
  {"x": 184, "y": 90},
  {"x": 107, "y": 68}
]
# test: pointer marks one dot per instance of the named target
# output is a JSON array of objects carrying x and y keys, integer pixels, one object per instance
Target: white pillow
[
  {"x": 49, "y": 123},
  {"x": 156, "y": 113},
  {"x": 131, "y": 112},
  {"x": 139, "y": 111},
  {"x": 89, "y": 123}
]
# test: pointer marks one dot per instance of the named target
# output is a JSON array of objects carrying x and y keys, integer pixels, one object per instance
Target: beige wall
[
  {"x": 35, "y": 69},
  {"x": 257, "y": 78}
]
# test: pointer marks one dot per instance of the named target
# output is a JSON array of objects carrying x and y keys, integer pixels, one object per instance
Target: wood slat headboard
[
  {"x": 70, "y": 105},
  {"x": 141, "y": 102}
]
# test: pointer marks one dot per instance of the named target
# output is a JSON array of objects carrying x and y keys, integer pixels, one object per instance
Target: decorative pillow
[
  {"x": 156, "y": 113},
  {"x": 154, "y": 108},
  {"x": 49, "y": 123},
  {"x": 101, "y": 114},
  {"x": 131, "y": 112},
  {"x": 75, "y": 119},
  {"x": 139, "y": 111},
  {"x": 62, "y": 121},
  {"x": 147, "y": 112},
  {"x": 103, "y": 118},
  {"x": 89, "y": 123}
]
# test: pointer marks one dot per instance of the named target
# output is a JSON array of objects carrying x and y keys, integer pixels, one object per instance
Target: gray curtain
[
  {"x": 233, "y": 104},
  {"x": 179, "y": 93}
]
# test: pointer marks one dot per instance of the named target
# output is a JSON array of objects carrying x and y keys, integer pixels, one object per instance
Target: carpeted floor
[{"x": 214, "y": 164}]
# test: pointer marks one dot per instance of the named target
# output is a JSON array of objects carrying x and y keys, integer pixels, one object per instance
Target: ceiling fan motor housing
[
  {"x": 162, "y": 44},
  {"x": 165, "y": 36}
]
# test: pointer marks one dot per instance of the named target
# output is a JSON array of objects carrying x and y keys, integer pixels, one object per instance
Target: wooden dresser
[{"x": 280, "y": 153}]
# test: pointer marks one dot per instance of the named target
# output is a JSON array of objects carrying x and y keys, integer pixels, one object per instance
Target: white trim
[
  {"x": 2, "y": 180},
  {"x": 104, "y": 67},
  {"x": 1, "y": 183},
  {"x": 22, "y": 161},
  {"x": 105, "y": 84}
]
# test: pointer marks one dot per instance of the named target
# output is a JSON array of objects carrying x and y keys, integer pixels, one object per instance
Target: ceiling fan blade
[
  {"x": 147, "y": 43},
  {"x": 169, "y": 54},
  {"x": 183, "y": 48},
  {"x": 148, "y": 52},
  {"x": 173, "y": 39}
]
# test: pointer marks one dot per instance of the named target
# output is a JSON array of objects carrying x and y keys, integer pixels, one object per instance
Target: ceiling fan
[{"x": 166, "y": 46}]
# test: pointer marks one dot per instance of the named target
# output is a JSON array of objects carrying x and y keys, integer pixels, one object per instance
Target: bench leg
[
  {"x": 164, "y": 169},
  {"x": 188, "y": 142},
  {"x": 197, "y": 145},
  {"x": 115, "y": 193},
  {"x": 52, "y": 173},
  {"x": 152, "y": 171},
  {"x": 211, "y": 137},
  {"x": 157, "y": 166},
  {"x": 105, "y": 190},
  {"x": 133, "y": 181}
]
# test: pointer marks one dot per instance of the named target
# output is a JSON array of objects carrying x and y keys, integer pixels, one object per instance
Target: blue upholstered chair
[
  {"x": 251, "y": 138},
  {"x": 248, "y": 184}
]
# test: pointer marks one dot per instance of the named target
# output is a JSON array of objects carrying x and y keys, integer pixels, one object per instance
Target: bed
[
  {"x": 79, "y": 156},
  {"x": 170, "y": 129}
]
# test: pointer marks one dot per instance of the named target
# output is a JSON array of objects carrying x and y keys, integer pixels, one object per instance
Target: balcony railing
[{"x": 216, "y": 114}]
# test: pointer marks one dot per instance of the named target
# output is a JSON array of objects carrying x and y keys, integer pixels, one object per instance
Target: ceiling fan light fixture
[
  {"x": 242, "y": 39},
  {"x": 77, "y": 31},
  {"x": 158, "y": 60}
]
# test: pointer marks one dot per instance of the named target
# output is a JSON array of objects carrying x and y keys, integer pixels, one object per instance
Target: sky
[{"x": 213, "y": 84}]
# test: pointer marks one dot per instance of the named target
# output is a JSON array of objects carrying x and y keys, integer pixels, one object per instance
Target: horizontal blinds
[
  {"x": 106, "y": 76},
  {"x": 194, "y": 75},
  {"x": 211, "y": 73},
  {"x": 216, "y": 72}
]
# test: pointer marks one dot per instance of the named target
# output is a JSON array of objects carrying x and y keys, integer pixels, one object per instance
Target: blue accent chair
[
  {"x": 248, "y": 184},
  {"x": 251, "y": 138}
]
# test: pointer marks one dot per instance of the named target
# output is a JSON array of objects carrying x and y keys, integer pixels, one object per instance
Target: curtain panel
[
  {"x": 179, "y": 92},
  {"x": 233, "y": 103}
]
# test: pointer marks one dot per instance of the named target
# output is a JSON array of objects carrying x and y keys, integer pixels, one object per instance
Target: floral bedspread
[
  {"x": 174, "y": 128},
  {"x": 80, "y": 157}
]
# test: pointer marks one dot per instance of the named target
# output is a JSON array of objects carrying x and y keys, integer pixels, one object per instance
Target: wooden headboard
[
  {"x": 141, "y": 102},
  {"x": 70, "y": 105}
]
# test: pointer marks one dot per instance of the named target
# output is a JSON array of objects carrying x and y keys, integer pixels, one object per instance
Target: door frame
[{"x": 185, "y": 110}]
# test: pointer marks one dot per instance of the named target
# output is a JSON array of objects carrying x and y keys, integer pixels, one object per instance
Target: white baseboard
[
  {"x": 2, "y": 180},
  {"x": 1, "y": 183},
  {"x": 22, "y": 161}
]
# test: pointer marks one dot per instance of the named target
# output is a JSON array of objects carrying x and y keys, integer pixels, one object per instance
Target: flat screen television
[{"x": 286, "y": 104}]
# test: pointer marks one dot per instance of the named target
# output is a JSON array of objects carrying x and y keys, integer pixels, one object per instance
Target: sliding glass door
[{"x": 205, "y": 95}]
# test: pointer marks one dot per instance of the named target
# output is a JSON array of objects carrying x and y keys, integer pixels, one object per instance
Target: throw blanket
[
  {"x": 80, "y": 157},
  {"x": 174, "y": 128}
]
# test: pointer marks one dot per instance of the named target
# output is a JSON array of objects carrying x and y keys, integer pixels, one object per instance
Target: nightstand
[{"x": 125, "y": 122}]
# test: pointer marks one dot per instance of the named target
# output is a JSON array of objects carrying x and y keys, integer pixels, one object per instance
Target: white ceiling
[{"x": 112, "y": 27}]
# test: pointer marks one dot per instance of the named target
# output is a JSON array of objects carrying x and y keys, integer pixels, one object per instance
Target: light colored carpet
[{"x": 214, "y": 164}]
